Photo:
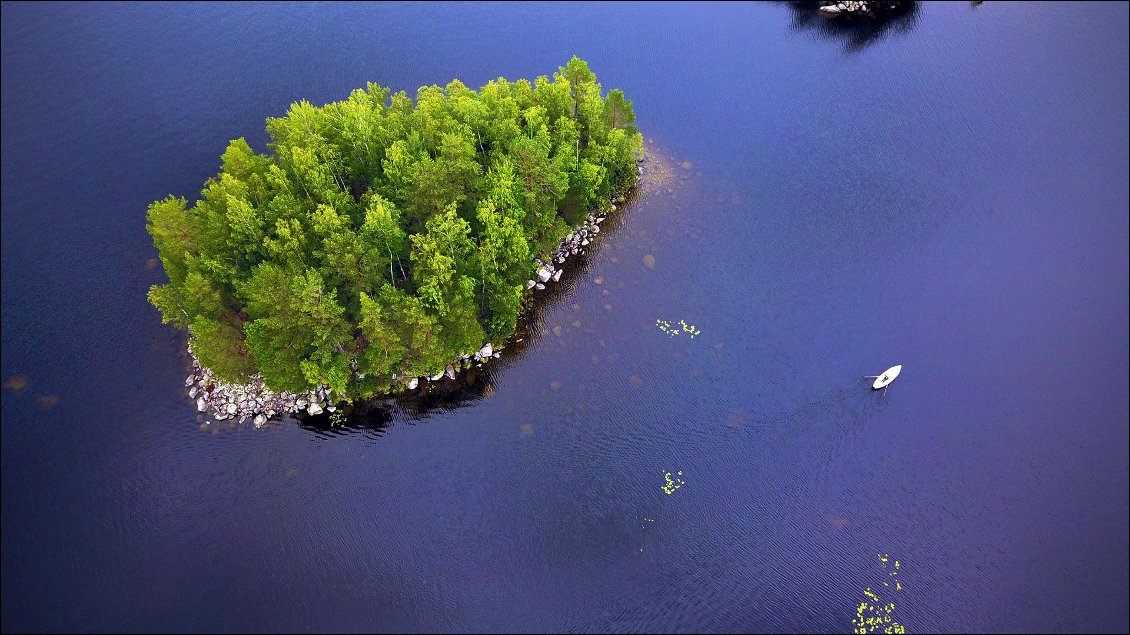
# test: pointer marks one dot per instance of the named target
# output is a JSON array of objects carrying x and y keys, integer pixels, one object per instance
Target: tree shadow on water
[
  {"x": 855, "y": 32},
  {"x": 373, "y": 417}
]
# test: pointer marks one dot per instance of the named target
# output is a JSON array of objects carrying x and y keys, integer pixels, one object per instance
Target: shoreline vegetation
[{"x": 386, "y": 242}]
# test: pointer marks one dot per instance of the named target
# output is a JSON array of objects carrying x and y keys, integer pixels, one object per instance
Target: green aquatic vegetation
[
  {"x": 385, "y": 237},
  {"x": 683, "y": 327},
  {"x": 874, "y": 615},
  {"x": 672, "y": 484}
]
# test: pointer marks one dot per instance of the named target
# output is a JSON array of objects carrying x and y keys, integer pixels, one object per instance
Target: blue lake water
[{"x": 950, "y": 194}]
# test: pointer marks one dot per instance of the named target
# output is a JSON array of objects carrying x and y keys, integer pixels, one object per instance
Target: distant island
[
  {"x": 868, "y": 8},
  {"x": 383, "y": 240}
]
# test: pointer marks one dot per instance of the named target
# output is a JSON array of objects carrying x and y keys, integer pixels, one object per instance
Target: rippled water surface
[{"x": 949, "y": 193}]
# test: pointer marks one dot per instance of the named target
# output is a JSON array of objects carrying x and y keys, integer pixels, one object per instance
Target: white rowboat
[{"x": 884, "y": 380}]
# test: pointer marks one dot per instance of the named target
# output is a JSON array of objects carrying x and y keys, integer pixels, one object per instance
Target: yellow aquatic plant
[
  {"x": 672, "y": 484},
  {"x": 683, "y": 327},
  {"x": 873, "y": 615}
]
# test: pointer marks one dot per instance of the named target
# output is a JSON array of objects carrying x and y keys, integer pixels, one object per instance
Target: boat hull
[{"x": 884, "y": 380}]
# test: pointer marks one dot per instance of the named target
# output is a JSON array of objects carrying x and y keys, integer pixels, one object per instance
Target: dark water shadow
[
  {"x": 855, "y": 32},
  {"x": 373, "y": 417}
]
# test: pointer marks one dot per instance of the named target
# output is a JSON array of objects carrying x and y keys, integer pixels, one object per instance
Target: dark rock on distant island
[{"x": 869, "y": 8}]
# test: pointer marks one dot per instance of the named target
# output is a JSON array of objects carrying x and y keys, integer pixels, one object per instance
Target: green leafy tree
[
  {"x": 383, "y": 236},
  {"x": 618, "y": 112}
]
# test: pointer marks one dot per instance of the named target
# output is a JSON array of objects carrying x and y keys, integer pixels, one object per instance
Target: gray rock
[
  {"x": 231, "y": 409},
  {"x": 544, "y": 274},
  {"x": 486, "y": 350},
  {"x": 530, "y": 284},
  {"x": 540, "y": 286},
  {"x": 259, "y": 420},
  {"x": 188, "y": 381},
  {"x": 314, "y": 409},
  {"x": 192, "y": 392},
  {"x": 412, "y": 383},
  {"x": 201, "y": 404},
  {"x": 449, "y": 371},
  {"x": 557, "y": 275}
]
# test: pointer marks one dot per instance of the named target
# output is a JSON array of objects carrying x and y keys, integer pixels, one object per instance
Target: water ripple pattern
[{"x": 949, "y": 194}]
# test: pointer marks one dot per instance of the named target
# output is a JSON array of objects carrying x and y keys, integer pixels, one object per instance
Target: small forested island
[{"x": 382, "y": 239}]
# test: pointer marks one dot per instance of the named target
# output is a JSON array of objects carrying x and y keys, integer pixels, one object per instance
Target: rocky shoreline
[{"x": 255, "y": 402}]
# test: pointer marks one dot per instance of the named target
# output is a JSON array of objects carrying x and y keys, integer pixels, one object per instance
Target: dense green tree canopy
[{"x": 384, "y": 236}]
